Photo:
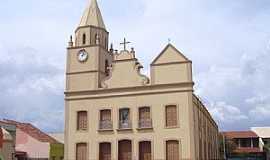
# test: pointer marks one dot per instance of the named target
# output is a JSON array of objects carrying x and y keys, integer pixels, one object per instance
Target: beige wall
[{"x": 158, "y": 135}]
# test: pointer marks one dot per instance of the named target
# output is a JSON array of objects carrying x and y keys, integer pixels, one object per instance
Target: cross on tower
[{"x": 125, "y": 44}]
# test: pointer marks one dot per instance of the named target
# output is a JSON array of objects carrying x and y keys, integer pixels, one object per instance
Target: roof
[
  {"x": 33, "y": 131},
  {"x": 240, "y": 134},
  {"x": 92, "y": 16},
  {"x": 58, "y": 136},
  {"x": 263, "y": 132}
]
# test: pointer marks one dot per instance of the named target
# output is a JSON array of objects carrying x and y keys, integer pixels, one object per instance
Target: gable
[{"x": 168, "y": 55}]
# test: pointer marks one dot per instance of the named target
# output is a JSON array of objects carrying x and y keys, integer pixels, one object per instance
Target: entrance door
[
  {"x": 172, "y": 150},
  {"x": 105, "y": 151},
  {"x": 145, "y": 150},
  {"x": 124, "y": 150}
]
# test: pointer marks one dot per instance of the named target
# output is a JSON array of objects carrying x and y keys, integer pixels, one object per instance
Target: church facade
[{"x": 114, "y": 112}]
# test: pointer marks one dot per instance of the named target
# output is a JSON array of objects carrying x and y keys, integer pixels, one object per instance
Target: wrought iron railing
[
  {"x": 105, "y": 124},
  {"x": 125, "y": 124},
  {"x": 145, "y": 123}
]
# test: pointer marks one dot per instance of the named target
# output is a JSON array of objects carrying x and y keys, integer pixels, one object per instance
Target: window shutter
[
  {"x": 82, "y": 120},
  {"x": 81, "y": 151},
  {"x": 144, "y": 113},
  {"x": 171, "y": 115},
  {"x": 172, "y": 150},
  {"x": 105, "y": 115}
]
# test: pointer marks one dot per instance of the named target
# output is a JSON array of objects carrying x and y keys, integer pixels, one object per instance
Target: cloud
[
  {"x": 226, "y": 113},
  {"x": 31, "y": 88}
]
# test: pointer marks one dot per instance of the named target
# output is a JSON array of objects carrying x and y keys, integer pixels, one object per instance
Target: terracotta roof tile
[
  {"x": 33, "y": 131},
  {"x": 240, "y": 134}
]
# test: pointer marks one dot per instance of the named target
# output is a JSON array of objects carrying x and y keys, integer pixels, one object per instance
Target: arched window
[
  {"x": 97, "y": 38},
  {"x": 106, "y": 67},
  {"x": 84, "y": 39},
  {"x": 106, "y": 43}
]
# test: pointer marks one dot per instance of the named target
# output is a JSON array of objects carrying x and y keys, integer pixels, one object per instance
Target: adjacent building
[
  {"x": 247, "y": 145},
  {"x": 30, "y": 142},
  {"x": 263, "y": 133},
  {"x": 7, "y": 141},
  {"x": 113, "y": 111}
]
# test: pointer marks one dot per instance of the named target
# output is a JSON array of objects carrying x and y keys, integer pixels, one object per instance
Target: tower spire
[{"x": 92, "y": 16}]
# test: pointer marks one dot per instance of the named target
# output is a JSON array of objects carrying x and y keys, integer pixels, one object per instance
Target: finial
[
  {"x": 111, "y": 48},
  {"x": 70, "y": 43},
  {"x": 132, "y": 50},
  {"x": 169, "y": 40}
]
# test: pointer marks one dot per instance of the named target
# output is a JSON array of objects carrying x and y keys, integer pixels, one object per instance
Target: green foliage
[
  {"x": 267, "y": 147},
  {"x": 57, "y": 151}
]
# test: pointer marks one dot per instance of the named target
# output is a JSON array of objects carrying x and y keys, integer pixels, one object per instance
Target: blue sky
[{"x": 228, "y": 42}]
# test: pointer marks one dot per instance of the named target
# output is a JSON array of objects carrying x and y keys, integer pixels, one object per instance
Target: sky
[{"x": 227, "y": 41}]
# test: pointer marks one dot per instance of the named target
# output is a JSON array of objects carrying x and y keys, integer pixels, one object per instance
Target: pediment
[{"x": 168, "y": 55}]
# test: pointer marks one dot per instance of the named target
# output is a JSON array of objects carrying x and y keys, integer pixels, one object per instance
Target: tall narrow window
[
  {"x": 172, "y": 150},
  {"x": 145, "y": 120},
  {"x": 105, "y": 119},
  {"x": 106, "y": 43},
  {"x": 125, "y": 150},
  {"x": 106, "y": 67},
  {"x": 105, "y": 151},
  {"x": 82, "y": 120},
  {"x": 145, "y": 150},
  {"x": 171, "y": 116},
  {"x": 124, "y": 118},
  {"x": 81, "y": 151},
  {"x": 84, "y": 39}
]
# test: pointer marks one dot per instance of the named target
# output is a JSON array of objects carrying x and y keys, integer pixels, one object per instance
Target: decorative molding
[
  {"x": 84, "y": 72},
  {"x": 170, "y": 63}
]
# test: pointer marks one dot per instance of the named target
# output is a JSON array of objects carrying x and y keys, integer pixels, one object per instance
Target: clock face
[{"x": 82, "y": 56}]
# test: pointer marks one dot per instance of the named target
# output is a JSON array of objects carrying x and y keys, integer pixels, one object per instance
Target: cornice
[
  {"x": 170, "y": 63},
  {"x": 84, "y": 72},
  {"x": 130, "y": 91},
  {"x": 90, "y": 26}
]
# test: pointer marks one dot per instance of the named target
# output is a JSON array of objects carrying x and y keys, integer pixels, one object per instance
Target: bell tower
[{"x": 88, "y": 57}]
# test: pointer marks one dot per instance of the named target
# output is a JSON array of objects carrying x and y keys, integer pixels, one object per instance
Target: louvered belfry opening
[
  {"x": 105, "y": 151},
  {"x": 172, "y": 150},
  {"x": 145, "y": 150},
  {"x": 81, "y": 151},
  {"x": 171, "y": 116},
  {"x": 145, "y": 120},
  {"x": 82, "y": 120},
  {"x": 124, "y": 150},
  {"x": 105, "y": 119}
]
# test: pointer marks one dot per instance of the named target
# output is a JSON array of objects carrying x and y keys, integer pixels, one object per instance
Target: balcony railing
[
  {"x": 105, "y": 125},
  {"x": 145, "y": 123},
  {"x": 125, "y": 124}
]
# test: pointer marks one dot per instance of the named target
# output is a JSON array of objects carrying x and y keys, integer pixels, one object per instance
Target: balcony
[
  {"x": 145, "y": 124},
  {"x": 125, "y": 125},
  {"x": 105, "y": 125}
]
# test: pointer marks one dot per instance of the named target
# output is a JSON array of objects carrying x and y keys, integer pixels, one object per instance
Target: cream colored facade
[{"x": 98, "y": 78}]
